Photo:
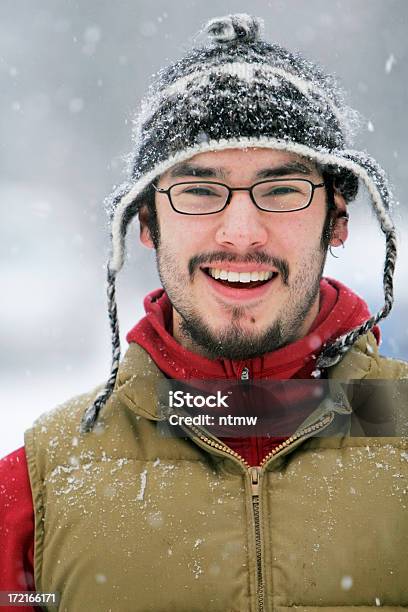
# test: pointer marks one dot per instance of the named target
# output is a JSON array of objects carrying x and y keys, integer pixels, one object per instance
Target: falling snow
[
  {"x": 143, "y": 480},
  {"x": 76, "y": 105},
  {"x": 346, "y": 583},
  {"x": 389, "y": 64}
]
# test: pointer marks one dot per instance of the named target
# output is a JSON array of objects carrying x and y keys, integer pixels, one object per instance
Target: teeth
[
  {"x": 233, "y": 277},
  {"x": 240, "y": 277},
  {"x": 244, "y": 277}
]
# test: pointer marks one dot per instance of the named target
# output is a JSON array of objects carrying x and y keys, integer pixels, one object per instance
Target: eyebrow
[
  {"x": 184, "y": 169},
  {"x": 284, "y": 170}
]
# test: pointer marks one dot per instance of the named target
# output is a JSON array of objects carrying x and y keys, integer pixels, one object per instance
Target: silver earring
[{"x": 330, "y": 249}]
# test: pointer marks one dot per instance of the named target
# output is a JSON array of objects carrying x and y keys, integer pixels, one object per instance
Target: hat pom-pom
[{"x": 234, "y": 28}]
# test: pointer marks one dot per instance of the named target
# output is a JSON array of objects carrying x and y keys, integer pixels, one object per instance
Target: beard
[{"x": 234, "y": 341}]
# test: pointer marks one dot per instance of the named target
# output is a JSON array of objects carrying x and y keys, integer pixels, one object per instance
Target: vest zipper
[
  {"x": 254, "y": 474},
  {"x": 245, "y": 373}
]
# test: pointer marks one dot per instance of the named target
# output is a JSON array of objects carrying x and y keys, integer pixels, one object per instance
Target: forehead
[{"x": 243, "y": 162}]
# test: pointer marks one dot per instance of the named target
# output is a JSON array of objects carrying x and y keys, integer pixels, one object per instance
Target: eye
[
  {"x": 200, "y": 191},
  {"x": 281, "y": 190}
]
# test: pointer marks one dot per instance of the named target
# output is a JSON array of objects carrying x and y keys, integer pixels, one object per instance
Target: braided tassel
[{"x": 91, "y": 414}]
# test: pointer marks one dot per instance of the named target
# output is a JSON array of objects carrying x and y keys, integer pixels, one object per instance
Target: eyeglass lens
[{"x": 274, "y": 196}]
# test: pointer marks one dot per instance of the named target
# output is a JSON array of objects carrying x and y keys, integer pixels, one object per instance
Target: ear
[
  {"x": 340, "y": 221},
  {"x": 145, "y": 237}
]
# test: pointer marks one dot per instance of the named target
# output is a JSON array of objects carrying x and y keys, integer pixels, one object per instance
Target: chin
[{"x": 250, "y": 320}]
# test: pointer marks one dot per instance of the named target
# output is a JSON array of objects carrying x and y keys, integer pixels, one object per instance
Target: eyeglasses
[{"x": 208, "y": 197}]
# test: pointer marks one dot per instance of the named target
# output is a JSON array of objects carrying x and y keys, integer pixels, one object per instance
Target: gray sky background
[{"x": 71, "y": 76}]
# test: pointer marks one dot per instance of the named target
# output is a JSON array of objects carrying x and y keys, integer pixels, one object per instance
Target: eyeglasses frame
[{"x": 314, "y": 186}]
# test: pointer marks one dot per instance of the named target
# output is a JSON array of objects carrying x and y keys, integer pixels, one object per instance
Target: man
[{"x": 241, "y": 179}]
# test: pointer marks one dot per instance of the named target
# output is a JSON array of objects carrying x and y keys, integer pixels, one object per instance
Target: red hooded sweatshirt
[{"x": 340, "y": 310}]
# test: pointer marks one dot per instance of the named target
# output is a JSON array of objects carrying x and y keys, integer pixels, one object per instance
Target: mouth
[{"x": 240, "y": 281}]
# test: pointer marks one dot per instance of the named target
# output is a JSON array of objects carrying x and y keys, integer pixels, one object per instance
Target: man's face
[{"x": 230, "y": 318}]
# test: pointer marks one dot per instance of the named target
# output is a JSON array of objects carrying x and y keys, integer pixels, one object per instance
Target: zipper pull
[
  {"x": 245, "y": 374},
  {"x": 254, "y": 474}
]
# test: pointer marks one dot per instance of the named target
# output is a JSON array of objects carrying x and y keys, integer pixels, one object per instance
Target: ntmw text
[{"x": 179, "y": 399}]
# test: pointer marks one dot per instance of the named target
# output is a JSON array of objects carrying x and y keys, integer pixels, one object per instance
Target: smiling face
[{"x": 242, "y": 281}]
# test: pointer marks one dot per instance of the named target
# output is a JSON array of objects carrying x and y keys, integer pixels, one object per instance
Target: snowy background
[{"x": 72, "y": 74}]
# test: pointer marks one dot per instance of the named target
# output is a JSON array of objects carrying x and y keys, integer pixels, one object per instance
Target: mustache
[{"x": 260, "y": 257}]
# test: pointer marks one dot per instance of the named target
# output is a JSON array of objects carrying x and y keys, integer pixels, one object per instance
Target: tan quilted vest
[{"x": 128, "y": 520}]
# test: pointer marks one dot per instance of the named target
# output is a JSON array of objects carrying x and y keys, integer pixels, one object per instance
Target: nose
[{"x": 242, "y": 225}]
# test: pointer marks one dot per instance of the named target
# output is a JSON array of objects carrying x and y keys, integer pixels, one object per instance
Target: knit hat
[{"x": 240, "y": 91}]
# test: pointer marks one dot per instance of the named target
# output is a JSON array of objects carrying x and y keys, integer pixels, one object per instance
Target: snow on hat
[{"x": 240, "y": 91}]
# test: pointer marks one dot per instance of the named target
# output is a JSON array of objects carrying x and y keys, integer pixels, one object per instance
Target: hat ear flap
[{"x": 371, "y": 173}]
